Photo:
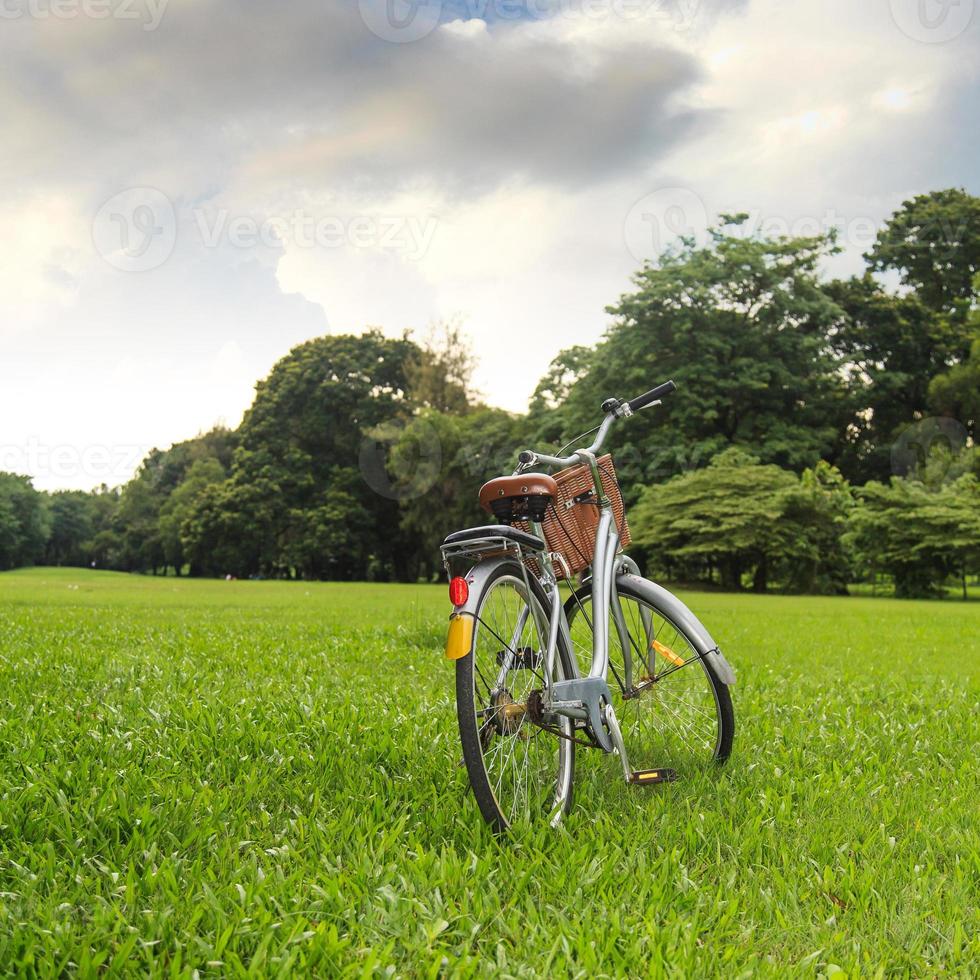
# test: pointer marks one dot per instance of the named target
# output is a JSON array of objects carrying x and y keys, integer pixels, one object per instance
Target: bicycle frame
[
  {"x": 603, "y": 563},
  {"x": 586, "y": 699}
]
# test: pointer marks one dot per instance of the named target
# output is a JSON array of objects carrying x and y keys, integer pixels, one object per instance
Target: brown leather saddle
[{"x": 518, "y": 498}]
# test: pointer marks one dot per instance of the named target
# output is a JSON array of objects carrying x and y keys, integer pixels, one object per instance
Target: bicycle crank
[
  {"x": 635, "y": 777},
  {"x": 619, "y": 747}
]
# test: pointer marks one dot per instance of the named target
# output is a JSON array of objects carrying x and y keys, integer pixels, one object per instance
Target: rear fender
[{"x": 462, "y": 620}]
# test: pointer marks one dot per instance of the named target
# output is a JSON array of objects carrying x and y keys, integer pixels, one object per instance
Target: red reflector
[{"x": 459, "y": 591}]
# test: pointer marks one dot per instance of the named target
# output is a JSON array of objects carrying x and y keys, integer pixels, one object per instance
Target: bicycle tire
[
  {"x": 640, "y": 753},
  {"x": 486, "y": 787}
]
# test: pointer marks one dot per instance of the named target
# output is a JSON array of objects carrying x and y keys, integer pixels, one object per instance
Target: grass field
[{"x": 228, "y": 777}]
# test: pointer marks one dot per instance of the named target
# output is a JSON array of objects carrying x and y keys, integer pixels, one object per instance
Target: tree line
[{"x": 822, "y": 430}]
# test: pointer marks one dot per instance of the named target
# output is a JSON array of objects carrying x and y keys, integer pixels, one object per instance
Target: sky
[{"x": 190, "y": 188}]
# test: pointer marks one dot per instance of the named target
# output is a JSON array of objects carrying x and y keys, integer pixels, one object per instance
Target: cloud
[
  {"x": 305, "y": 92},
  {"x": 322, "y": 177}
]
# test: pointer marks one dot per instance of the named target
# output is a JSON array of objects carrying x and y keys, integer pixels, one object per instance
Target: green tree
[
  {"x": 741, "y": 516},
  {"x": 741, "y": 325},
  {"x": 302, "y": 439},
  {"x": 957, "y": 392},
  {"x": 933, "y": 242},
  {"x": 141, "y": 548},
  {"x": 919, "y": 535},
  {"x": 179, "y": 505},
  {"x": 551, "y": 414},
  {"x": 893, "y": 347},
  {"x": 72, "y": 518},
  {"x": 24, "y": 523},
  {"x": 327, "y": 540},
  {"x": 142, "y": 501},
  {"x": 439, "y": 491},
  {"x": 218, "y": 535},
  {"x": 439, "y": 374},
  {"x": 820, "y": 505},
  {"x": 105, "y": 546}
]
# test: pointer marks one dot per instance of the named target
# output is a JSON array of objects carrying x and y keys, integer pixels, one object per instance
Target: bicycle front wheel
[
  {"x": 673, "y": 709},
  {"x": 520, "y": 770}
]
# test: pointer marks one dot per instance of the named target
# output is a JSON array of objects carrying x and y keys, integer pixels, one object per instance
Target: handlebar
[
  {"x": 615, "y": 409},
  {"x": 654, "y": 394}
]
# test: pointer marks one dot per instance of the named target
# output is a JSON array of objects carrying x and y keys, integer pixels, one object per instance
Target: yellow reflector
[
  {"x": 460, "y": 639},
  {"x": 665, "y": 651}
]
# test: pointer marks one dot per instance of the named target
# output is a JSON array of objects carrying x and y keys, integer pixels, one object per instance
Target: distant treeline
[{"x": 821, "y": 431}]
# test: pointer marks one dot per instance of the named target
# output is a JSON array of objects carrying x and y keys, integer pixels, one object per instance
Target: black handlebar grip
[
  {"x": 652, "y": 395},
  {"x": 525, "y": 457}
]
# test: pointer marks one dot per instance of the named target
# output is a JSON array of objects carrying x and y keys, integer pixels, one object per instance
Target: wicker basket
[{"x": 569, "y": 527}]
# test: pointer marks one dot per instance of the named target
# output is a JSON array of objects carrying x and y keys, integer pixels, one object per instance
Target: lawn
[{"x": 233, "y": 776}]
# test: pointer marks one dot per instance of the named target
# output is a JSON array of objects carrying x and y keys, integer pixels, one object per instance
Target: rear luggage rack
[{"x": 476, "y": 549}]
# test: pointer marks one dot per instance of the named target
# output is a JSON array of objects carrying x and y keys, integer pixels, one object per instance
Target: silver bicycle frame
[
  {"x": 603, "y": 562},
  {"x": 587, "y": 699}
]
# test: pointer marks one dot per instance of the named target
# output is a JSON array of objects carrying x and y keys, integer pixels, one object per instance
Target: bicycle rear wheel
[
  {"x": 518, "y": 770},
  {"x": 673, "y": 709}
]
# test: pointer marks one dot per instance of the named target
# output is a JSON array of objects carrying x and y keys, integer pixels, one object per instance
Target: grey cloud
[{"x": 304, "y": 92}]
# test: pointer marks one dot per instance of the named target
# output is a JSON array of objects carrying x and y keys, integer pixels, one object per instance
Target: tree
[
  {"x": 550, "y": 416},
  {"x": 439, "y": 492},
  {"x": 303, "y": 438},
  {"x": 144, "y": 499},
  {"x": 439, "y": 374},
  {"x": 217, "y": 536},
  {"x": 729, "y": 515},
  {"x": 893, "y": 347},
  {"x": 72, "y": 519},
  {"x": 919, "y": 535},
  {"x": 933, "y": 242},
  {"x": 107, "y": 549},
  {"x": 327, "y": 540},
  {"x": 105, "y": 546},
  {"x": 139, "y": 509},
  {"x": 24, "y": 522},
  {"x": 741, "y": 325},
  {"x": 740, "y": 516},
  {"x": 820, "y": 505},
  {"x": 179, "y": 505},
  {"x": 957, "y": 392}
]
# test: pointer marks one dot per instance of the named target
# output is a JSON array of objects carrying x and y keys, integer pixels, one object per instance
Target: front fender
[{"x": 681, "y": 616}]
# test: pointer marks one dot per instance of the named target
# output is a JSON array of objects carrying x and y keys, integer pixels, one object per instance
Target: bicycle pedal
[{"x": 650, "y": 777}]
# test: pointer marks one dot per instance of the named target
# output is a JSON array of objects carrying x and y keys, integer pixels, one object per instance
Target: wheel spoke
[
  {"x": 523, "y": 771},
  {"x": 662, "y": 723}
]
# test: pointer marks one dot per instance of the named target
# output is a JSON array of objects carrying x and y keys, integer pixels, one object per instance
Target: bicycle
[{"x": 533, "y": 669}]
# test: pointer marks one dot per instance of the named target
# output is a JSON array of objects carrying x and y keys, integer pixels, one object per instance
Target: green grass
[{"x": 227, "y": 777}]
